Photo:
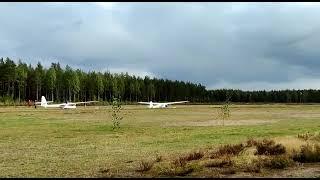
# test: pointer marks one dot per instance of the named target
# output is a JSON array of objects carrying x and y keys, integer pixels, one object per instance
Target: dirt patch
[
  {"x": 219, "y": 123},
  {"x": 307, "y": 170}
]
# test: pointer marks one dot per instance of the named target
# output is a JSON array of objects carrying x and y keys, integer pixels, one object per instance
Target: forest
[{"x": 20, "y": 82}]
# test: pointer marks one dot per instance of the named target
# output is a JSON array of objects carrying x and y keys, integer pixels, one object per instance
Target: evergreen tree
[
  {"x": 22, "y": 74},
  {"x": 51, "y": 78},
  {"x": 38, "y": 78}
]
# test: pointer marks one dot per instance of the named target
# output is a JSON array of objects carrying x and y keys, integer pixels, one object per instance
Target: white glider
[
  {"x": 161, "y": 105},
  {"x": 68, "y": 105}
]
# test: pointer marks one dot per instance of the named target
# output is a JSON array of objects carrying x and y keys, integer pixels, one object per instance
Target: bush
[
  {"x": 145, "y": 166},
  {"x": 273, "y": 162},
  {"x": 228, "y": 150},
  {"x": 315, "y": 136},
  {"x": 182, "y": 160},
  {"x": 254, "y": 166},
  {"x": 268, "y": 147},
  {"x": 304, "y": 136},
  {"x": 308, "y": 153},
  {"x": 308, "y": 136},
  {"x": 277, "y": 162},
  {"x": 194, "y": 156},
  {"x": 251, "y": 142}
]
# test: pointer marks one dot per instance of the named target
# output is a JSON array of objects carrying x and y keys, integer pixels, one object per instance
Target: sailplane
[
  {"x": 160, "y": 105},
  {"x": 67, "y": 105}
]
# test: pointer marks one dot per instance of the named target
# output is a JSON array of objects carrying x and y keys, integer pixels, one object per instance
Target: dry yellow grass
[{"x": 292, "y": 143}]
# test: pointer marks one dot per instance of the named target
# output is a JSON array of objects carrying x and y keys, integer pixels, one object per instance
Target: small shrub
[
  {"x": 273, "y": 162},
  {"x": 309, "y": 136},
  {"x": 180, "y": 162},
  {"x": 116, "y": 114},
  {"x": 145, "y": 166},
  {"x": 228, "y": 150},
  {"x": 194, "y": 156},
  {"x": 308, "y": 153},
  {"x": 225, "y": 162},
  {"x": 224, "y": 112},
  {"x": 277, "y": 162},
  {"x": 268, "y": 147},
  {"x": 254, "y": 166},
  {"x": 304, "y": 136},
  {"x": 315, "y": 137},
  {"x": 251, "y": 142}
]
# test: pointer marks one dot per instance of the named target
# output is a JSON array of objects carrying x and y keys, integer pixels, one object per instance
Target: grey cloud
[{"x": 209, "y": 43}]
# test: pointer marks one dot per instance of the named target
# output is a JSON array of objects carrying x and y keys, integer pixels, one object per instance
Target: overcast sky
[{"x": 248, "y": 46}]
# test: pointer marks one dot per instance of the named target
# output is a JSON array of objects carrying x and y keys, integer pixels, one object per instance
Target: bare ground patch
[
  {"x": 311, "y": 170},
  {"x": 303, "y": 171}
]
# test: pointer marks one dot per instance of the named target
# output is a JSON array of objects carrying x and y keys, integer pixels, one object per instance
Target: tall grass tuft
[
  {"x": 182, "y": 160},
  {"x": 308, "y": 153},
  {"x": 145, "y": 166},
  {"x": 304, "y": 136},
  {"x": 277, "y": 162}
]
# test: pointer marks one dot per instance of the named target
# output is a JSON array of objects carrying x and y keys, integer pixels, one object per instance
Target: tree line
[
  {"x": 273, "y": 96},
  {"x": 20, "y": 82}
]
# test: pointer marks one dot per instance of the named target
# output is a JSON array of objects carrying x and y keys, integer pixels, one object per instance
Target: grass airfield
[{"x": 81, "y": 143}]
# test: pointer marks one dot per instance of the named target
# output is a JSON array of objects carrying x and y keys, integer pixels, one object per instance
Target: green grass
[{"x": 81, "y": 142}]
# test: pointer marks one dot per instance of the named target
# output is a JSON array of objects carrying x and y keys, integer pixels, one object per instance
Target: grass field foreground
[{"x": 81, "y": 143}]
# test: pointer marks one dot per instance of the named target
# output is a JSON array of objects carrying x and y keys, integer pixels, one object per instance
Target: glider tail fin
[{"x": 43, "y": 101}]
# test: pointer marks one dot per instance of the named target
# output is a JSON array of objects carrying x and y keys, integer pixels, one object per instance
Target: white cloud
[{"x": 131, "y": 71}]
